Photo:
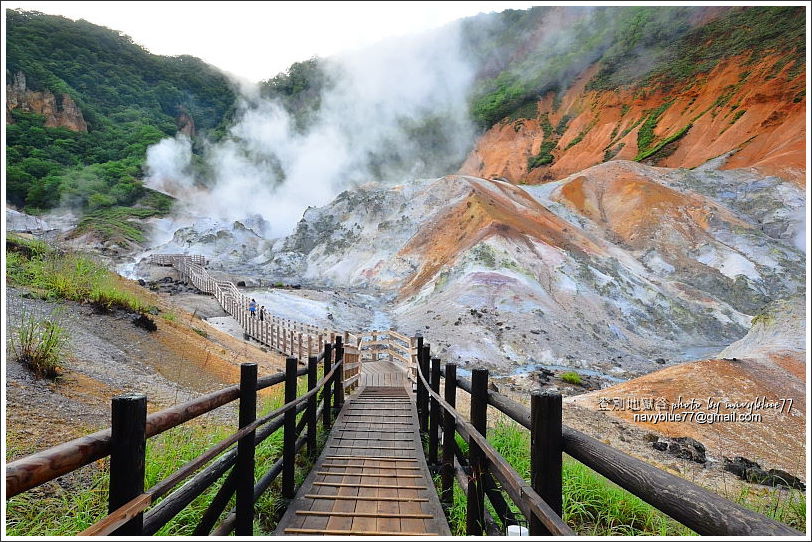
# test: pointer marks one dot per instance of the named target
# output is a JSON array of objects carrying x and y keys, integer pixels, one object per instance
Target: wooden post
[
  {"x": 546, "y": 447},
  {"x": 339, "y": 378},
  {"x": 475, "y": 513},
  {"x": 244, "y": 525},
  {"x": 128, "y": 442},
  {"x": 327, "y": 412},
  {"x": 434, "y": 412},
  {"x": 449, "y": 430},
  {"x": 414, "y": 360},
  {"x": 289, "y": 437},
  {"x": 312, "y": 379},
  {"x": 423, "y": 407}
]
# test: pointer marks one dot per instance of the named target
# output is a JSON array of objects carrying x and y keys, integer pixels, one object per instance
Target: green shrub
[
  {"x": 581, "y": 135},
  {"x": 571, "y": 377},
  {"x": 544, "y": 157},
  {"x": 642, "y": 155},
  {"x": 645, "y": 136},
  {"x": 169, "y": 316},
  {"x": 562, "y": 125},
  {"x": 72, "y": 276},
  {"x": 39, "y": 344},
  {"x": 610, "y": 153},
  {"x": 546, "y": 126},
  {"x": 738, "y": 115}
]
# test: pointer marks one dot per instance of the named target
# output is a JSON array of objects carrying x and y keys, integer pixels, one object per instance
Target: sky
[{"x": 256, "y": 40}]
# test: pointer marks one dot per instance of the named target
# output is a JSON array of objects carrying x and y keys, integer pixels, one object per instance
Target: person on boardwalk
[
  {"x": 252, "y": 308},
  {"x": 262, "y": 313}
]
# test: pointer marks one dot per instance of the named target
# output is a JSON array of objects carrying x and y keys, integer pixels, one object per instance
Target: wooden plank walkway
[
  {"x": 382, "y": 374},
  {"x": 372, "y": 478}
]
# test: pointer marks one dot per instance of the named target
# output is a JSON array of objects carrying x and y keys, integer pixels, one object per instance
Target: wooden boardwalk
[
  {"x": 382, "y": 374},
  {"x": 372, "y": 478}
]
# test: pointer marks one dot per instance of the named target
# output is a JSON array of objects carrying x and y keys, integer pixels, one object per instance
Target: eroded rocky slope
[
  {"x": 753, "y": 114},
  {"x": 761, "y": 374},
  {"x": 615, "y": 269}
]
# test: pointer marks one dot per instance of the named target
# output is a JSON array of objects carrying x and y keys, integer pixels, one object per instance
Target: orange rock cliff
[{"x": 749, "y": 115}]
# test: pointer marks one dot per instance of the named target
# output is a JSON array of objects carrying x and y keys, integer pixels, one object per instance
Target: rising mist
[{"x": 395, "y": 111}]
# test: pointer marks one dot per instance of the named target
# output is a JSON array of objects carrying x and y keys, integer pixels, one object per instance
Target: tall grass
[
  {"x": 571, "y": 377},
  {"x": 72, "y": 276},
  {"x": 40, "y": 343},
  {"x": 593, "y": 505}
]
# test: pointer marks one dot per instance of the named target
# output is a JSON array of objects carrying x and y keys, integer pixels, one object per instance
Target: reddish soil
[{"x": 770, "y": 135}]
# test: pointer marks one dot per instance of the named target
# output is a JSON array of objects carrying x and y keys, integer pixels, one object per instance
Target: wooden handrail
[
  {"x": 288, "y": 336},
  {"x": 524, "y": 496},
  {"x": 703, "y": 511},
  {"x": 126, "y": 512},
  {"x": 38, "y": 468}
]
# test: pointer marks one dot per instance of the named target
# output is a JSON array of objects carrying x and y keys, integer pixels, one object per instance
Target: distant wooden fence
[
  {"x": 484, "y": 473},
  {"x": 125, "y": 443},
  {"x": 290, "y": 337},
  {"x": 389, "y": 345}
]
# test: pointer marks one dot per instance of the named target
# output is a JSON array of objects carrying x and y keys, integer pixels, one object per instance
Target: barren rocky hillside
[{"x": 615, "y": 269}]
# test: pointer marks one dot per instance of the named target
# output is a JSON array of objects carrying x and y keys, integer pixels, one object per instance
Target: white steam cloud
[{"x": 266, "y": 167}]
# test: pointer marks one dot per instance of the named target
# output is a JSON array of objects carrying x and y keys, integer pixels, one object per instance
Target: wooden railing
[
  {"x": 485, "y": 473},
  {"x": 290, "y": 337},
  {"x": 125, "y": 443},
  {"x": 389, "y": 345}
]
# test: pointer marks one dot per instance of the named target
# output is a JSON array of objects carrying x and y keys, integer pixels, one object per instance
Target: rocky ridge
[
  {"x": 753, "y": 115},
  {"x": 616, "y": 269},
  {"x": 60, "y": 111}
]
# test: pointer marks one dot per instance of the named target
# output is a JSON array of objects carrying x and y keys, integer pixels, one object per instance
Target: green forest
[{"x": 129, "y": 98}]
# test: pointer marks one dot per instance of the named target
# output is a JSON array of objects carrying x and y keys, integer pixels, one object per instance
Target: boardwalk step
[
  {"x": 356, "y": 533},
  {"x": 362, "y": 514},
  {"x": 379, "y": 467},
  {"x": 367, "y": 486},
  {"x": 363, "y": 498},
  {"x": 358, "y": 485},
  {"x": 325, "y": 473},
  {"x": 375, "y": 457}
]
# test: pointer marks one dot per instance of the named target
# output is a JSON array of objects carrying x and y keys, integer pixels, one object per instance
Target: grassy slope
[
  {"x": 621, "y": 40},
  {"x": 74, "y": 276}
]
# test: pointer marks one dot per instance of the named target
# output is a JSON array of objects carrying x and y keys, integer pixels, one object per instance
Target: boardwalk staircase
[{"x": 374, "y": 475}]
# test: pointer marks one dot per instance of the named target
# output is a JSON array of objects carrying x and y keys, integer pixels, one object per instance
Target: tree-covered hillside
[{"x": 129, "y": 98}]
